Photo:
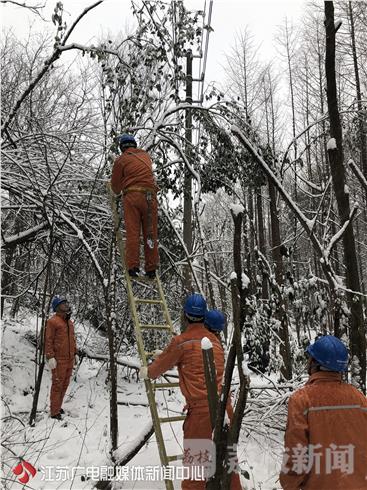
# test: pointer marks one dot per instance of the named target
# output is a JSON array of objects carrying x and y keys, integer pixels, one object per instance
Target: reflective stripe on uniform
[
  {"x": 145, "y": 190},
  {"x": 334, "y": 407}
]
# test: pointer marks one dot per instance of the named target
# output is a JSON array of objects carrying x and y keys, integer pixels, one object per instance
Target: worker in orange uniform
[
  {"x": 326, "y": 434},
  {"x": 185, "y": 352},
  {"x": 132, "y": 174},
  {"x": 61, "y": 353}
]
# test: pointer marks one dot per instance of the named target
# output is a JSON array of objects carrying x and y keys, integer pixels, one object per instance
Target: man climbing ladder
[
  {"x": 185, "y": 352},
  {"x": 132, "y": 174}
]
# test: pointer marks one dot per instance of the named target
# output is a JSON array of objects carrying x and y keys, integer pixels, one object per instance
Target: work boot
[
  {"x": 134, "y": 272},
  {"x": 57, "y": 416},
  {"x": 150, "y": 274}
]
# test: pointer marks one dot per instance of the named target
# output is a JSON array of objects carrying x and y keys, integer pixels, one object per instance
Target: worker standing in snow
[
  {"x": 132, "y": 174},
  {"x": 326, "y": 434},
  {"x": 185, "y": 352},
  {"x": 61, "y": 353}
]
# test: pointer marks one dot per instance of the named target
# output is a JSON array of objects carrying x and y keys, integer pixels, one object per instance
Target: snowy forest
[{"x": 262, "y": 209}]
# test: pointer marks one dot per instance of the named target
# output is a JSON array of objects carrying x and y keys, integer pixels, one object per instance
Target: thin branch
[
  {"x": 48, "y": 63},
  {"x": 334, "y": 240}
]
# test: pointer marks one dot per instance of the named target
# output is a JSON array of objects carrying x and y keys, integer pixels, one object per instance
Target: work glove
[
  {"x": 156, "y": 353},
  {"x": 52, "y": 363},
  {"x": 76, "y": 360},
  {"x": 143, "y": 372}
]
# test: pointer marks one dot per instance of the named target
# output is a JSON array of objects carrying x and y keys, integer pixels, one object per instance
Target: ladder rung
[
  {"x": 162, "y": 386},
  {"x": 142, "y": 279},
  {"x": 149, "y": 301},
  {"x": 158, "y": 327},
  {"x": 177, "y": 457},
  {"x": 172, "y": 419}
]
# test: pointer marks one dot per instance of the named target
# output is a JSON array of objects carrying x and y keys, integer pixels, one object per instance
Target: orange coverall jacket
[
  {"x": 185, "y": 351},
  {"x": 133, "y": 168},
  {"x": 60, "y": 340},
  {"x": 327, "y": 422}
]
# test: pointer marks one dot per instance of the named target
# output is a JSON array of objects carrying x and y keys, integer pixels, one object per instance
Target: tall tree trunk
[
  {"x": 110, "y": 293},
  {"x": 361, "y": 124},
  {"x": 206, "y": 271},
  {"x": 361, "y": 114},
  {"x": 285, "y": 350},
  {"x": 323, "y": 152},
  {"x": 187, "y": 212},
  {"x": 336, "y": 160},
  {"x": 261, "y": 235},
  {"x": 6, "y": 276},
  {"x": 251, "y": 241}
]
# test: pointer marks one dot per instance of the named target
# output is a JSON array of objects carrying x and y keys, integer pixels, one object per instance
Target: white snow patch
[
  {"x": 206, "y": 344},
  {"x": 331, "y": 144},
  {"x": 245, "y": 368},
  {"x": 337, "y": 24},
  {"x": 245, "y": 280},
  {"x": 236, "y": 209},
  {"x": 312, "y": 281},
  {"x": 233, "y": 276}
]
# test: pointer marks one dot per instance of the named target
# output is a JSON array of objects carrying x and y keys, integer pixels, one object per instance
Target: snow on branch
[
  {"x": 86, "y": 245},
  {"x": 358, "y": 173},
  {"x": 237, "y": 209},
  {"x": 331, "y": 144},
  {"x": 68, "y": 221},
  {"x": 122, "y": 361},
  {"x": 23, "y": 236},
  {"x": 340, "y": 233},
  {"x": 78, "y": 19},
  {"x": 306, "y": 223},
  {"x": 129, "y": 449}
]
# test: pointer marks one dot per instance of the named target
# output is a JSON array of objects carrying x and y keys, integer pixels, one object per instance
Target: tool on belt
[{"x": 149, "y": 197}]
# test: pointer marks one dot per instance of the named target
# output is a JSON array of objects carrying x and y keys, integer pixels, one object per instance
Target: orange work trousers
[
  {"x": 136, "y": 217},
  {"x": 197, "y": 425},
  {"x": 60, "y": 382}
]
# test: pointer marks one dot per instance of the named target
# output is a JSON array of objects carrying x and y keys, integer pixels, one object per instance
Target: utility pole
[{"x": 187, "y": 208}]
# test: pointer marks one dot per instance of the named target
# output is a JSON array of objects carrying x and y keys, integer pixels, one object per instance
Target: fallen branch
[
  {"x": 358, "y": 173},
  {"x": 122, "y": 361},
  {"x": 123, "y": 455}
]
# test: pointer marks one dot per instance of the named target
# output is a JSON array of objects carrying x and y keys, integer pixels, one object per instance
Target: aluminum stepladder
[{"x": 150, "y": 386}]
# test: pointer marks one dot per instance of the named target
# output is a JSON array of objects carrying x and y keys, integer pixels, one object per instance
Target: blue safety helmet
[
  {"x": 195, "y": 306},
  {"x": 215, "y": 320},
  {"x": 126, "y": 140},
  {"x": 329, "y": 352},
  {"x": 56, "y": 301}
]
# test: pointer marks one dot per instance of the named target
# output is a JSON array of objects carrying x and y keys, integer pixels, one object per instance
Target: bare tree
[{"x": 336, "y": 158}]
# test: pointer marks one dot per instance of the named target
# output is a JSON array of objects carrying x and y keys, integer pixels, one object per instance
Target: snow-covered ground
[{"x": 74, "y": 453}]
